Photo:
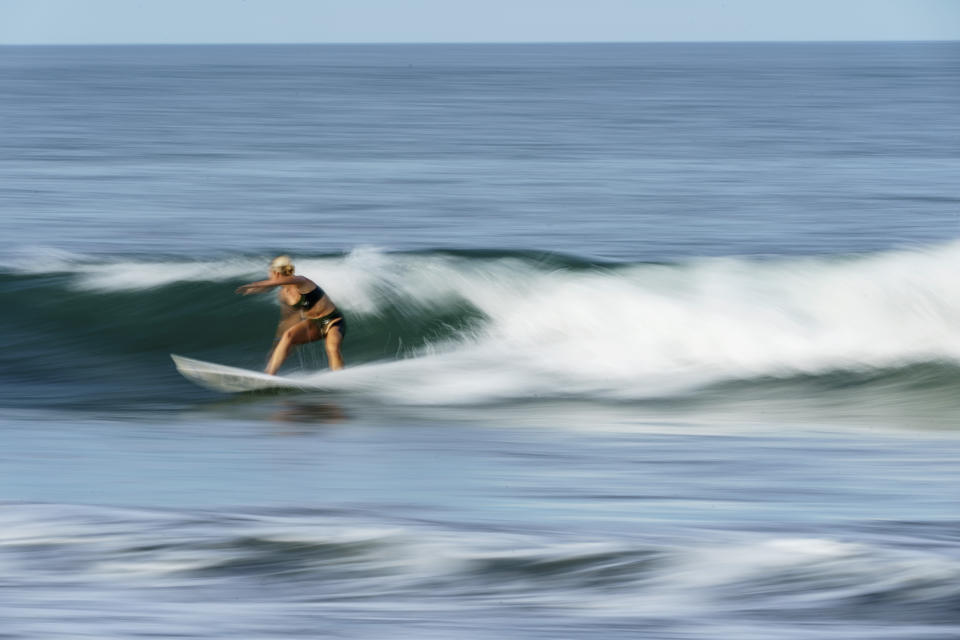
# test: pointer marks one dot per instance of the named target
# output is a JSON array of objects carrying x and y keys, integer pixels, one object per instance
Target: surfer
[{"x": 309, "y": 314}]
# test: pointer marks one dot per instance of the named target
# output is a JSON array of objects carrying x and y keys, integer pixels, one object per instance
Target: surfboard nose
[{"x": 220, "y": 377}]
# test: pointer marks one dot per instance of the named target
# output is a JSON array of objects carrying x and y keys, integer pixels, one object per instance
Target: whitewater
[{"x": 460, "y": 328}]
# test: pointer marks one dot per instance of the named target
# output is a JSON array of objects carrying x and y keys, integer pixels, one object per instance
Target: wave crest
[{"x": 447, "y": 326}]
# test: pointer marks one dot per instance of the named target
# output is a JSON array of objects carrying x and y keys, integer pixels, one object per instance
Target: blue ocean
[{"x": 651, "y": 341}]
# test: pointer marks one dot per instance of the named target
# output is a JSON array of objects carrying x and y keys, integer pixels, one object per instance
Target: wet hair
[{"x": 282, "y": 265}]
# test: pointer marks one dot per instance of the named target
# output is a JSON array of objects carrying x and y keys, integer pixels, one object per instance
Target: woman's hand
[{"x": 247, "y": 289}]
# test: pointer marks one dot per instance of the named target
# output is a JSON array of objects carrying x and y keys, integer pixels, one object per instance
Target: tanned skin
[{"x": 297, "y": 328}]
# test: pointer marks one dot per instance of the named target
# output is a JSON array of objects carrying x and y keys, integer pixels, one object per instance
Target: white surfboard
[{"x": 230, "y": 379}]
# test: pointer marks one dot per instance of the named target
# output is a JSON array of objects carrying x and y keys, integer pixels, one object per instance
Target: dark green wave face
[
  {"x": 70, "y": 337},
  {"x": 468, "y": 327}
]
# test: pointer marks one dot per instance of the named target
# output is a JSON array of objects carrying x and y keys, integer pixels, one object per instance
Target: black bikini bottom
[{"x": 335, "y": 318}]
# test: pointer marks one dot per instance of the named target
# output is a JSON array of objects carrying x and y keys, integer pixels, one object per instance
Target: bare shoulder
[{"x": 305, "y": 284}]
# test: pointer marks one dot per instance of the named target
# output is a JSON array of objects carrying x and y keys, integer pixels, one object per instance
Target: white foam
[
  {"x": 786, "y": 574},
  {"x": 647, "y": 330}
]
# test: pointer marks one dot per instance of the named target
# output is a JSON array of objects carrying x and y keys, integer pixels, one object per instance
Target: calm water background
[{"x": 654, "y": 341}]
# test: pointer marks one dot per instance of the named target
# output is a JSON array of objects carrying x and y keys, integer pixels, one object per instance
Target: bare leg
[
  {"x": 333, "y": 342},
  {"x": 300, "y": 333},
  {"x": 289, "y": 319}
]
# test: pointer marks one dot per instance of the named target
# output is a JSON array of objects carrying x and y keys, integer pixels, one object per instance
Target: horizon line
[{"x": 477, "y": 42}]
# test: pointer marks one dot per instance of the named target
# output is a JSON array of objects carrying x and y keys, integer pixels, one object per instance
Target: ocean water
[{"x": 656, "y": 341}]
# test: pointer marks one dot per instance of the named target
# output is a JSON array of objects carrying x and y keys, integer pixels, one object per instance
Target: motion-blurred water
[{"x": 654, "y": 341}]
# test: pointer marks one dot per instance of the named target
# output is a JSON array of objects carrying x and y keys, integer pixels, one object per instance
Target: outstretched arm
[{"x": 265, "y": 285}]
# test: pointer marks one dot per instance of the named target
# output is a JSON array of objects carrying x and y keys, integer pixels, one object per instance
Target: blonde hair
[{"x": 282, "y": 265}]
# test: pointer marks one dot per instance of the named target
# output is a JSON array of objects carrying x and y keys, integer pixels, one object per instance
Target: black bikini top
[{"x": 308, "y": 299}]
